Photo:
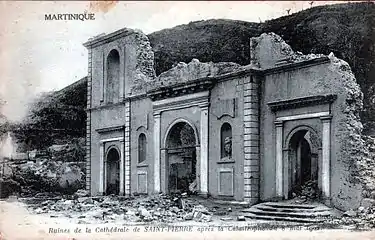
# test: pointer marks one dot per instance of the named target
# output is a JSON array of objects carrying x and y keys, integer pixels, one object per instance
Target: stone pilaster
[
  {"x": 88, "y": 122},
  {"x": 326, "y": 157},
  {"x": 101, "y": 169},
  {"x": 204, "y": 151},
  {"x": 122, "y": 168},
  {"x": 127, "y": 148},
  {"x": 157, "y": 152},
  {"x": 279, "y": 159},
  {"x": 251, "y": 140}
]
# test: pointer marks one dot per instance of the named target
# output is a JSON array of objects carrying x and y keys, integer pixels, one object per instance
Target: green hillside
[{"x": 347, "y": 30}]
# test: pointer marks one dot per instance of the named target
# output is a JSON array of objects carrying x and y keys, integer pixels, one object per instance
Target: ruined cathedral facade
[{"x": 242, "y": 133}]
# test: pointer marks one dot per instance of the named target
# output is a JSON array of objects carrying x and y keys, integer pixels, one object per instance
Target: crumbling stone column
[
  {"x": 204, "y": 151},
  {"x": 251, "y": 140},
  {"x": 157, "y": 152},
  {"x": 279, "y": 158},
  {"x": 127, "y": 148},
  {"x": 88, "y": 123},
  {"x": 326, "y": 156}
]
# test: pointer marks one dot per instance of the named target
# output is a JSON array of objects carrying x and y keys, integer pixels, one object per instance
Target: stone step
[
  {"x": 288, "y": 205},
  {"x": 301, "y": 214},
  {"x": 274, "y": 209},
  {"x": 280, "y": 218}
]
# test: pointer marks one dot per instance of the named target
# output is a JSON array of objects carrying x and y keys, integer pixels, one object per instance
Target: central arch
[{"x": 181, "y": 143}]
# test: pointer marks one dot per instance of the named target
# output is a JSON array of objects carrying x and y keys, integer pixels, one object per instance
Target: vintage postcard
[{"x": 187, "y": 120}]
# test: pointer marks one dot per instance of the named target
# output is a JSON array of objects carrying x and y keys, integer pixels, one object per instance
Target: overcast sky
[{"x": 38, "y": 55}]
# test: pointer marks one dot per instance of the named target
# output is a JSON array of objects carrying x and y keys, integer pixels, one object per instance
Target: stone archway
[
  {"x": 113, "y": 172},
  {"x": 181, "y": 157},
  {"x": 302, "y": 158}
]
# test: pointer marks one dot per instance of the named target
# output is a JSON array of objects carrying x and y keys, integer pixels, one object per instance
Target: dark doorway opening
[
  {"x": 303, "y": 165},
  {"x": 305, "y": 161},
  {"x": 113, "y": 172},
  {"x": 182, "y": 158}
]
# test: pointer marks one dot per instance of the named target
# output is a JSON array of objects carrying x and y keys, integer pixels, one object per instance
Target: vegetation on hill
[
  {"x": 56, "y": 118},
  {"x": 347, "y": 30},
  {"x": 344, "y": 29}
]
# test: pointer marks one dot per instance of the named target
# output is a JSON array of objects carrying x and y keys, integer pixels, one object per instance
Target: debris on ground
[
  {"x": 160, "y": 208},
  {"x": 361, "y": 218},
  {"x": 193, "y": 186},
  {"x": 241, "y": 218},
  {"x": 8, "y": 186},
  {"x": 226, "y": 218},
  {"x": 308, "y": 191},
  {"x": 81, "y": 193},
  {"x": 48, "y": 176}
]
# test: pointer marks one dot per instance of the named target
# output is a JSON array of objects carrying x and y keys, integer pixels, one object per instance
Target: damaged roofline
[
  {"x": 248, "y": 70},
  {"x": 296, "y": 65},
  {"x": 106, "y": 38}
]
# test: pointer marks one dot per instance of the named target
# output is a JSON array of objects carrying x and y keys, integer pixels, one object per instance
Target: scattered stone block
[
  {"x": 241, "y": 218},
  {"x": 350, "y": 213},
  {"x": 368, "y": 203}
]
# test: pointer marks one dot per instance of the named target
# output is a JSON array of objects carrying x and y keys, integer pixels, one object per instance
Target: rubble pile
[
  {"x": 361, "y": 218},
  {"x": 48, "y": 176},
  {"x": 8, "y": 186},
  {"x": 307, "y": 191},
  {"x": 185, "y": 72},
  {"x": 144, "y": 69},
  {"x": 158, "y": 208}
]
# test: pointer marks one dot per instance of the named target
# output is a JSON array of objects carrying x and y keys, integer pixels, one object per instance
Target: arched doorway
[
  {"x": 303, "y": 161},
  {"x": 181, "y": 158},
  {"x": 113, "y": 172}
]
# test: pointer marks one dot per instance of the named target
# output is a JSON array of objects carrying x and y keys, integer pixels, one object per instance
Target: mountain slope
[
  {"x": 56, "y": 118},
  {"x": 347, "y": 30}
]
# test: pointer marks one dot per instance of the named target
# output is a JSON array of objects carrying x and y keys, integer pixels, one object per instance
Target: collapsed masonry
[
  {"x": 283, "y": 102},
  {"x": 144, "y": 67},
  {"x": 355, "y": 156}
]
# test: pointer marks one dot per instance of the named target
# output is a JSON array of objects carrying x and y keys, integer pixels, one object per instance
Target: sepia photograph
[{"x": 188, "y": 120}]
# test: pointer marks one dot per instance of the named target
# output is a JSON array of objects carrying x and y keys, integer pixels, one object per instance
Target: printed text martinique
[{"x": 70, "y": 16}]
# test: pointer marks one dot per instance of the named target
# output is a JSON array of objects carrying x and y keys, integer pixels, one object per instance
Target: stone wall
[
  {"x": 334, "y": 77},
  {"x": 142, "y": 122},
  {"x": 226, "y": 175},
  {"x": 106, "y": 120}
]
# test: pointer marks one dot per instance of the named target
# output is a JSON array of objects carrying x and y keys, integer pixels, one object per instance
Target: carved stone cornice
[
  {"x": 180, "y": 89},
  {"x": 199, "y": 99},
  {"x": 110, "y": 129},
  {"x": 302, "y": 102},
  {"x": 106, "y": 38}
]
